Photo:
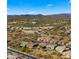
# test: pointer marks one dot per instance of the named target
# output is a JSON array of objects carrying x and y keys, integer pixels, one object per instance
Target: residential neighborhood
[{"x": 46, "y": 38}]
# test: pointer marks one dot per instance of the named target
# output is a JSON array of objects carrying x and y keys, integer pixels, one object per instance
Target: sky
[{"x": 45, "y": 7}]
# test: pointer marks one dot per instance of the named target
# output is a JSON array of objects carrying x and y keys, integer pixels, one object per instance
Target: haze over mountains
[{"x": 40, "y": 14}]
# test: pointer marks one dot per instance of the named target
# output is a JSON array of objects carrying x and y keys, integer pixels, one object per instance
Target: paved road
[{"x": 21, "y": 53}]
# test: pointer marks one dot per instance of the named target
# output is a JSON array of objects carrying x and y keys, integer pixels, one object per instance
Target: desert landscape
[{"x": 39, "y": 36}]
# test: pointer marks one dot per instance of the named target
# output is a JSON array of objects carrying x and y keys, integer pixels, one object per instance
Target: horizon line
[{"x": 39, "y": 14}]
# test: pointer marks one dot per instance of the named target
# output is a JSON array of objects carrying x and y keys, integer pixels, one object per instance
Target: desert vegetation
[{"x": 44, "y": 36}]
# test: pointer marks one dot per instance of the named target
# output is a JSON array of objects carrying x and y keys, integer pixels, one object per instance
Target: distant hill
[
  {"x": 64, "y": 14},
  {"x": 39, "y": 17}
]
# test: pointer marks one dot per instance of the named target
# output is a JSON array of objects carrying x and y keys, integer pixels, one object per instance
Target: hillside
[{"x": 44, "y": 36}]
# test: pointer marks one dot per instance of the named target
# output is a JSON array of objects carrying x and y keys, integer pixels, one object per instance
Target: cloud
[
  {"x": 49, "y": 5},
  {"x": 31, "y": 12},
  {"x": 8, "y": 9}
]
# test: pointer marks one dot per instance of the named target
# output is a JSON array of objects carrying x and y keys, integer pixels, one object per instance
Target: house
[
  {"x": 60, "y": 48},
  {"x": 43, "y": 45},
  {"x": 34, "y": 22},
  {"x": 31, "y": 44},
  {"x": 23, "y": 44},
  {"x": 67, "y": 54},
  {"x": 11, "y": 57},
  {"x": 27, "y": 28},
  {"x": 45, "y": 39},
  {"x": 50, "y": 47},
  {"x": 21, "y": 57}
]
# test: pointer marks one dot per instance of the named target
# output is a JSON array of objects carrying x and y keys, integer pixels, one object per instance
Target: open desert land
[{"x": 43, "y": 36}]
